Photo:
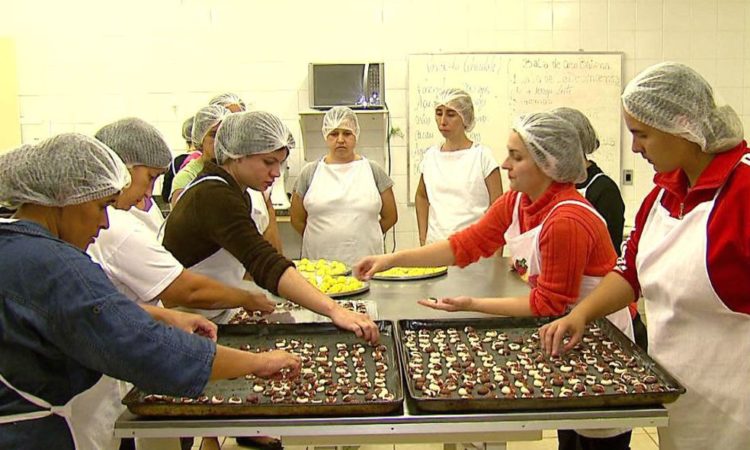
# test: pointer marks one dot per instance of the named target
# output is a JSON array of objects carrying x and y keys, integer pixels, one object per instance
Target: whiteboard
[{"x": 504, "y": 85}]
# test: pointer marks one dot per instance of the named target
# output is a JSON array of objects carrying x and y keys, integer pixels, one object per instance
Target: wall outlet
[{"x": 627, "y": 177}]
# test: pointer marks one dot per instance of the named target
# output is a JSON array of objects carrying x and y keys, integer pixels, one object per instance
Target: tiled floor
[{"x": 643, "y": 439}]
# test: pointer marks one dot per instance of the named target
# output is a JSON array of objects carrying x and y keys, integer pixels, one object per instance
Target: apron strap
[
  {"x": 575, "y": 202},
  {"x": 48, "y": 409},
  {"x": 588, "y": 185}
]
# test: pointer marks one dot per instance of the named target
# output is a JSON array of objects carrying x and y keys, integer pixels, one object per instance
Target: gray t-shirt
[{"x": 382, "y": 181}]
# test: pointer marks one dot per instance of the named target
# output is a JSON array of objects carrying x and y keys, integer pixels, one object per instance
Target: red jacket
[
  {"x": 573, "y": 242},
  {"x": 728, "y": 237}
]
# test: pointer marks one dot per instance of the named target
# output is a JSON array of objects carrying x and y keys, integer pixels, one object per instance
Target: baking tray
[
  {"x": 426, "y": 276},
  {"x": 266, "y": 336},
  {"x": 525, "y": 327},
  {"x": 289, "y": 312},
  {"x": 347, "y": 270}
]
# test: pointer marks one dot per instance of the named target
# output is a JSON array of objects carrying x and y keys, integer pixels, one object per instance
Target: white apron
[
  {"x": 456, "y": 189},
  {"x": 693, "y": 334},
  {"x": 343, "y": 213},
  {"x": 526, "y": 259},
  {"x": 259, "y": 212},
  {"x": 584, "y": 189},
  {"x": 221, "y": 266},
  {"x": 89, "y": 414}
]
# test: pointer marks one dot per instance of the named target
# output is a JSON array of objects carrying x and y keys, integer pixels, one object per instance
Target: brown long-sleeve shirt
[{"x": 213, "y": 215}]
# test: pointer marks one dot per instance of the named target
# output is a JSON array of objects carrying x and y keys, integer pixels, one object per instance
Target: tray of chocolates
[
  {"x": 289, "y": 312},
  {"x": 496, "y": 364},
  {"x": 340, "y": 375}
]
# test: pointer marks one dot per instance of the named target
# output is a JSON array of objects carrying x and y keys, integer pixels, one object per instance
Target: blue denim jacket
[{"x": 63, "y": 324}]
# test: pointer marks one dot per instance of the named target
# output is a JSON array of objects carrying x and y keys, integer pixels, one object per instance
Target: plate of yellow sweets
[
  {"x": 410, "y": 273},
  {"x": 337, "y": 286},
  {"x": 322, "y": 267}
]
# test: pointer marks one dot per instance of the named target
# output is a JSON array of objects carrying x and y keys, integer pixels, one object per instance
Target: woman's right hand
[
  {"x": 277, "y": 364},
  {"x": 370, "y": 265},
  {"x": 256, "y": 301},
  {"x": 552, "y": 335}
]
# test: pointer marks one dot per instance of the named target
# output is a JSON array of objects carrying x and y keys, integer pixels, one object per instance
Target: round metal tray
[
  {"x": 364, "y": 288},
  {"x": 347, "y": 270},
  {"x": 439, "y": 273}
]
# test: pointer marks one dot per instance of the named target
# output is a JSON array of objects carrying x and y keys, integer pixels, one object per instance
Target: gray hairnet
[
  {"x": 675, "y": 99},
  {"x": 250, "y": 133},
  {"x": 67, "y": 169},
  {"x": 586, "y": 132},
  {"x": 226, "y": 99},
  {"x": 205, "y": 119},
  {"x": 137, "y": 142},
  {"x": 459, "y": 101},
  {"x": 187, "y": 130},
  {"x": 340, "y": 117},
  {"x": 554, "y": 144}
]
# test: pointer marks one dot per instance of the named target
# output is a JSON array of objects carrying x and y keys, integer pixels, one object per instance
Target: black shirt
[{"x": 605, "y": 196}]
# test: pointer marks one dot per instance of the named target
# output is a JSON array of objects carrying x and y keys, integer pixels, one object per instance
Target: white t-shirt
[
  {"x": 133, "y": 259},
  {"x": 153, "y": 218},
  {"x": 455, "y": 188}
]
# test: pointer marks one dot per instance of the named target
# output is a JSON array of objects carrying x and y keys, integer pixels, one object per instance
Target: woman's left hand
[
  {"x": 194, "y": 324},
  {"x": 359, "y": 323},
  {"x": 450, "y": 304}
]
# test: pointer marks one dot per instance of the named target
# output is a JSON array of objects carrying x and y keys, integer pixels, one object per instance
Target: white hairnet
[
  {"x": 340, "y": 117},
  {"x": 137, "y": 142},
  {"x": 205, "y": 119},
  {"x": 67, "y": 169},
  {"x": 226, "y": 99},
  {"x": 187, "y": 130},
  {"x": 586, "y": 132},
  {"x": 554, "y": 144},
  {"x": 250, "y": 133},
  {"x": 675, "y": 99},
  {"x": 459, "y": 101}
]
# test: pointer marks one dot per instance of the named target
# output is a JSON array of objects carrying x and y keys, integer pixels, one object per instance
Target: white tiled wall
[{"x": 83, "y": 63}]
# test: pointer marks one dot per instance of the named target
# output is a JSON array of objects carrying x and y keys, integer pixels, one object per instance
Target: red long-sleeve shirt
[
  {"x": 573, "y": 242},
  {"x": 728, "y": 243}
]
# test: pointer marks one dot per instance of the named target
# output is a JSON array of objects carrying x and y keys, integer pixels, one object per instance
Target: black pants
[
  {"x": 639, "y": 329},
  {"x": 570, "y": 440}
]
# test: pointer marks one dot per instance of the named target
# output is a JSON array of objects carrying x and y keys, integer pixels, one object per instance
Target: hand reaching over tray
[
  {"x": 278, "y": 364},
  {"x": 360, "y": 324},
  {"x": 258, "y": 301},
  {"x": 370, "y": 265},
  {"x": 450, "y": 304},
  {"x": 551, "y": 335}
]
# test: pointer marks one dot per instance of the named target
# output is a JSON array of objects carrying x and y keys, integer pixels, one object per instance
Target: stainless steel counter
[{"x": 397, "y": 300}]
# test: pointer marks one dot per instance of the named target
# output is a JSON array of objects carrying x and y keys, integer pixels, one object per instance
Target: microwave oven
[{"x": 358, "y": 85}]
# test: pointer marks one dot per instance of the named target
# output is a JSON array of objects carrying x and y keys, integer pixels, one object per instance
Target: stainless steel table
[{"x": 397, "y": 300}]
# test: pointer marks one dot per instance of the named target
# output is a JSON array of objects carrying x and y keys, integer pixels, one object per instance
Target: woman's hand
[
  {"x": 450, "y": 304},
  {"x": 370, "y": 265},
  {"x": 192, "y": 323},
  {"x": 257, "y": 301},
  {"x": 551, "y": 335},
  {"x": 278, "y": 364},
  {"x": 358, "y": 323}
]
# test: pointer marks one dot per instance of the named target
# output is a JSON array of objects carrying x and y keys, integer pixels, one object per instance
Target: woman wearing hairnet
[
  {"x": 230, "y": 101},
  {"x": 343, "y": 203},
  {"x": 63, "y": 323},
  {"x": 687, "y": 256},
  {"x": 205, "y": 123},
  {"x": 604, "y": 195},
  {"x": 556, "y": 239},
  {"x": 460, "y": 178},
  {"x": 210, "y": 231},
  {"x": 176, "y": 164}
]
